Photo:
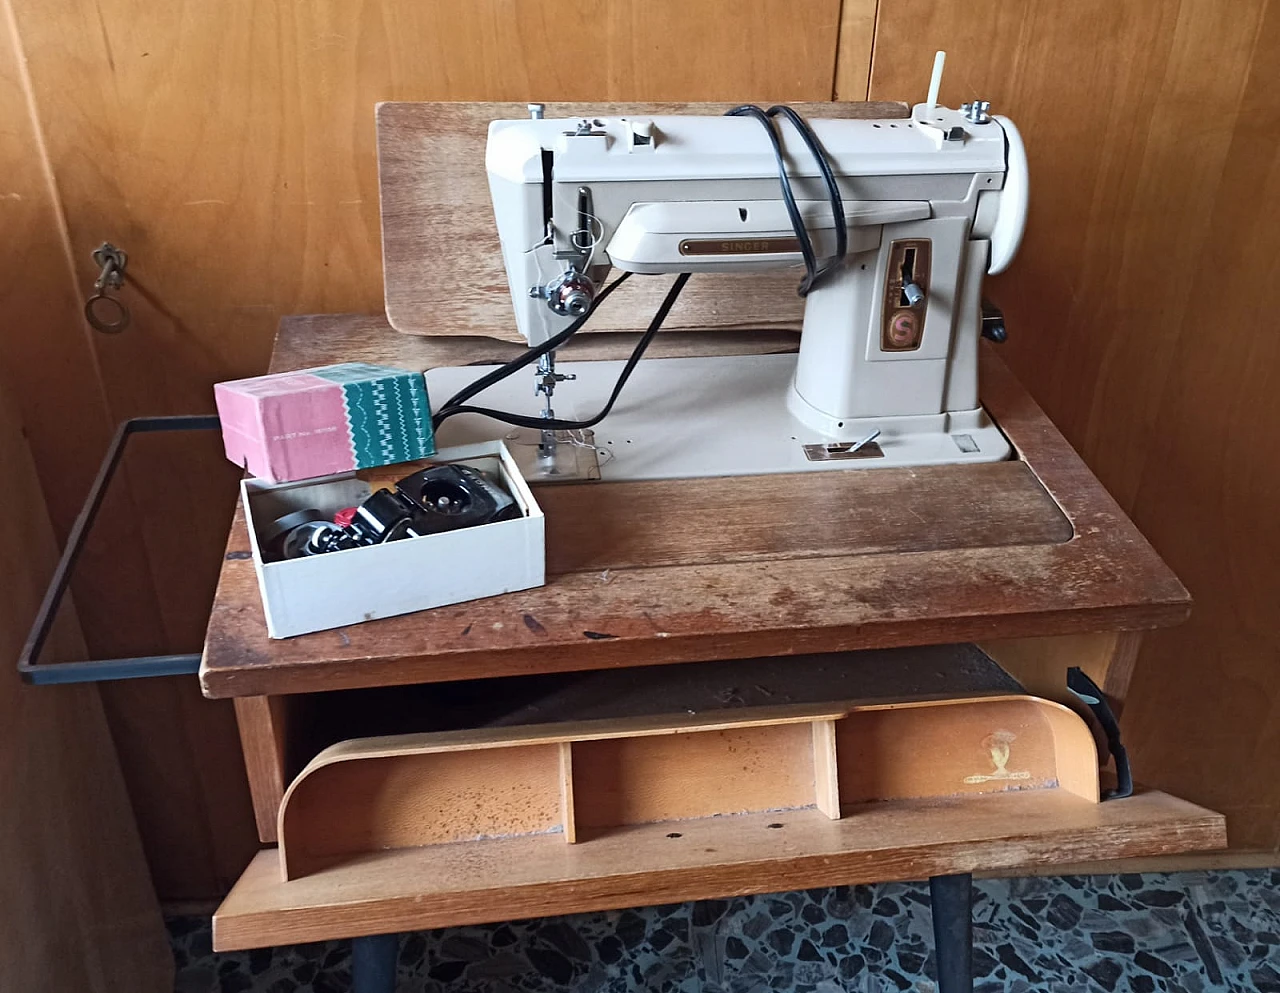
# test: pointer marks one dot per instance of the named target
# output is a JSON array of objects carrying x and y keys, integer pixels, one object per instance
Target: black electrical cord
[
  {"x": 558, "y": 424},
  {"x": 788, "y": 196},
  {"x": 525, "y": 358},
  {"x": 457, "y": 404},
  {"x": 813, "y": 274},
  {"x": 828, "y": 177}
]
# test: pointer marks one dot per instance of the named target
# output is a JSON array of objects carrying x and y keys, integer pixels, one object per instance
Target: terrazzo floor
[{"x": 1177, "y": 933}]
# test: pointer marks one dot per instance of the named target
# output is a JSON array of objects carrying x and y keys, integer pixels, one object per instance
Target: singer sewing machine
[{"x": 886, "y": 373}]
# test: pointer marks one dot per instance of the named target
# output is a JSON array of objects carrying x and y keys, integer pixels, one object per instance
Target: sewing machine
[{"x": 886, "y": 373}]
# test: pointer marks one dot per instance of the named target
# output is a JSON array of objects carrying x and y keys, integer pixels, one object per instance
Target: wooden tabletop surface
[{"x": 642, "y": 573}]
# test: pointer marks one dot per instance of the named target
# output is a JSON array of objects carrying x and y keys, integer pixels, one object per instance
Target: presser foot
[{"x": 556, "y": 456}]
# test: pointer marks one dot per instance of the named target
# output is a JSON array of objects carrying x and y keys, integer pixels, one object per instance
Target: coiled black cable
[
  {"x": 813, "y": 274},
  {"x": 457, "y": 404}
]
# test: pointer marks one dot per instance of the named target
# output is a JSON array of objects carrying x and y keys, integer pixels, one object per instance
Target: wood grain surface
[
  {"x": 283, "y": 734},
  {"x": 414, "y": 790},
  {"x": 568, "y": 814},
  {"x": 826, "y": 772},
  {"x": 437, "y": 214},
  {"x": 129, "y": 602},
  {"x": 266, "y": 739},
  {"x": 49, "y": 368},
  {"x": 229, "y": 148},
  {"x": 964, "y": 747},
  {"x": 675, "y": 777},
  {"x": 1105, "y": 577},
  {"x": 411, "y": 799},
  {"x": 891, "y": 511},
  {"x": 1138, "y": 318},
  {"x": 79, "y": 911},
  {"x": 505, "y": 879}
]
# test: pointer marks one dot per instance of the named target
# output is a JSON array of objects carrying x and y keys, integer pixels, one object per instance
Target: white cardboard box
[{"x": 362, "y": 584}]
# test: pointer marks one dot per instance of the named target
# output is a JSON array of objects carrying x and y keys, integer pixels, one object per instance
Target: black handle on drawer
[{"x": 97, "y": 670}]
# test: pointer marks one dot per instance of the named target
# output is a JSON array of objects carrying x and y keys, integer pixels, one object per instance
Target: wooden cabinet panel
[
  {"x": 49, "y": 370},
  {"x": 1139, "y": 318},
  {"x": 79, "y": 910},
  {"x": 47, "y": 363},
  {"x": 229, "y": 148},
  {"x": 1210, "y": 492}
]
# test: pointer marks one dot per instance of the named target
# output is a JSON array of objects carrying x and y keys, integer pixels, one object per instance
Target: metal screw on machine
[{"x": 977, "y": 112}]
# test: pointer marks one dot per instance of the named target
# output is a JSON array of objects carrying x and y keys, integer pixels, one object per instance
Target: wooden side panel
[
  {"x": 264, "y": 729},
  {"x": 568, "y": 815},
  {"x": 230, "y": 149},
  {"x": 826, "y": 769},
  {"x": 181, "y": 759},
  {"x": 978, "y": 747},
  {"x": 79, "y": 910},
  {"x": 49, "y": 368},
  {"x": 674, "y": 777},
  {"x": 1204, "y": 712},
  {"x": 857, "y": 40},
  {"x": 410, "y": 800},
  {"x": 1135, "y": 321}
]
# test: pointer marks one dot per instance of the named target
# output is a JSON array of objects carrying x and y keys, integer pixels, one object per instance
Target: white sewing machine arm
[
  {"x": 932, "y": 203},
  {"x": 716, "y": 178}
]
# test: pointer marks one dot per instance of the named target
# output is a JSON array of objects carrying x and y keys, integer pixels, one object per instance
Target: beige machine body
[{"x": 932, "y": 204}]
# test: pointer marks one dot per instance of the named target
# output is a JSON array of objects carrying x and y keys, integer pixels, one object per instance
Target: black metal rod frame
[{"x": 96, "y": 670}]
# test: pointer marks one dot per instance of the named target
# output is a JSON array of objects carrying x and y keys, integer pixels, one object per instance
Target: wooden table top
[{"x": 642, "y": 573}]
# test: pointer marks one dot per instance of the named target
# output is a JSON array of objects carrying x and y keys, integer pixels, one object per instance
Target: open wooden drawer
[{"x": 614, "y": 789}]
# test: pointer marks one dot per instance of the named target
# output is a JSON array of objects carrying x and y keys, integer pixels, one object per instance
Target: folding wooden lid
[{"x": 441, "y": 263}]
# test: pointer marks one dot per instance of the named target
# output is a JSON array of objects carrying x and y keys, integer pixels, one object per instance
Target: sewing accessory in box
[
  {"x": 317, "y": 422},
  {"x": 338, "y": 588}
]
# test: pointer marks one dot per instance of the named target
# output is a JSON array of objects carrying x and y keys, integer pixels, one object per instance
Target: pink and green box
[{"x": 317, "y": 422}]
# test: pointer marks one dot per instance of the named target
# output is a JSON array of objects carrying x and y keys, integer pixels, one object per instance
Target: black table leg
[
  {"x": 952, "y": 898},
  {"x": 373, "y": 963}
]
